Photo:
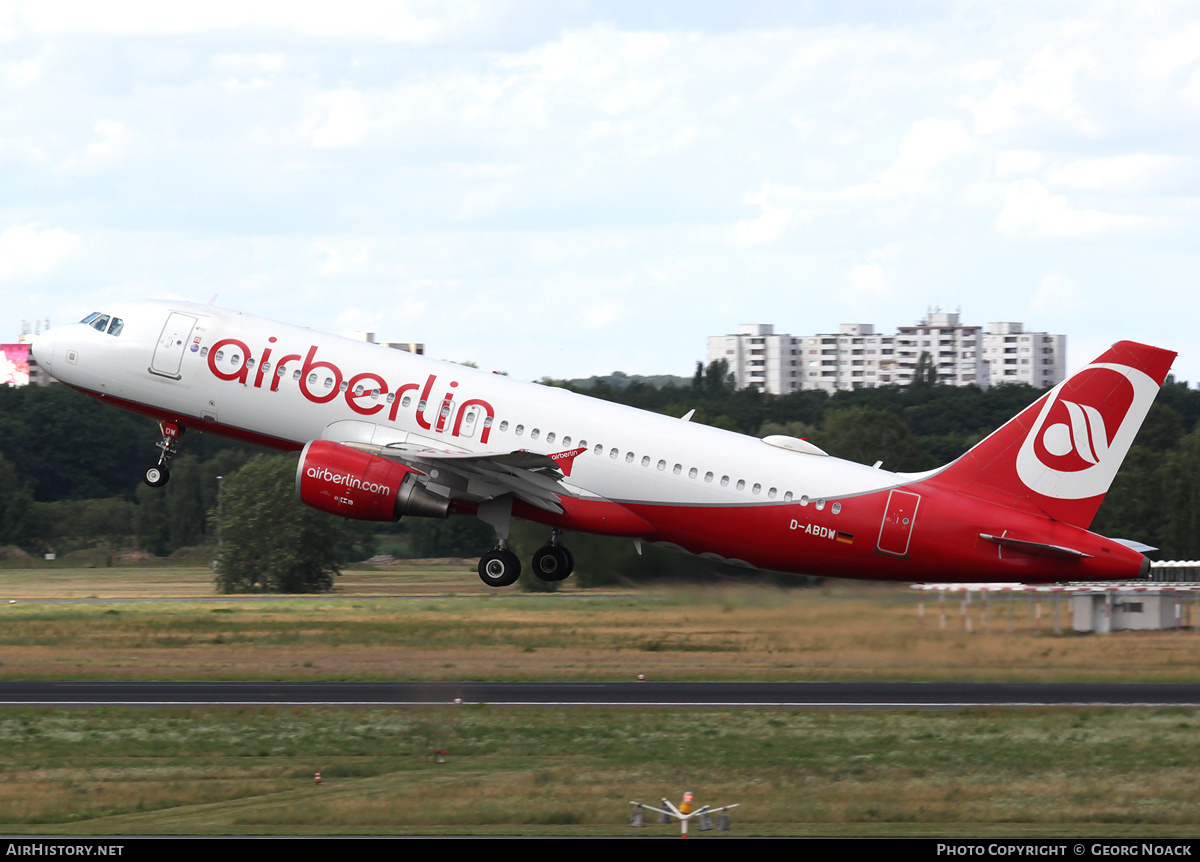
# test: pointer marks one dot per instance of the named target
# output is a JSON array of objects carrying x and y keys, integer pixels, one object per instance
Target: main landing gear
[
  {"x": 157, "y": 475},
  {"x": 500, "y": 567}
]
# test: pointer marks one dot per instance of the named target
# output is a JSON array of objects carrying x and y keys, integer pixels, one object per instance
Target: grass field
[{"x": 978, "y": 772}]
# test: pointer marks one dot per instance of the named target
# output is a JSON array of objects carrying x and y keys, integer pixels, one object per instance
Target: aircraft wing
[{"x": 477, "y": 476}]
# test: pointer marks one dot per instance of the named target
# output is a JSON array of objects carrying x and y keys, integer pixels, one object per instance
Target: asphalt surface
[{"x": 718, "y": 695}]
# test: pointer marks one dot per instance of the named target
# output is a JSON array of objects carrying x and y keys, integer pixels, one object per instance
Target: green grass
[
  {"x": 968, "y": 773},
  {"x": 525, "y": 771}
]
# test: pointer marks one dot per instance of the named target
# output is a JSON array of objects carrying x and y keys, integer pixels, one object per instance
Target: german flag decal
[{"x": 846, "y": 538}]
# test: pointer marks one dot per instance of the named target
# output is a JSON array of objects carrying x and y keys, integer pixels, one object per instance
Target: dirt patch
[{"x": 13, "y": 554}]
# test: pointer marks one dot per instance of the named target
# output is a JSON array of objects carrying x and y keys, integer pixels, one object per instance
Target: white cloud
[
  {"x": 1131, "y": 172},
  {"x": 1057, "y": 296},
  {"x": 1032, "y": 211},
  {"x": 29, "y": 253},
  {"x": 1044, "y": 92},
  {"x": 109, "y": 145},
  {"x": 768, "y": 227}
]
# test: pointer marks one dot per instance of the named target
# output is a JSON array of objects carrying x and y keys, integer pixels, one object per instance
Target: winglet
[{"x": 566, "y": 459}]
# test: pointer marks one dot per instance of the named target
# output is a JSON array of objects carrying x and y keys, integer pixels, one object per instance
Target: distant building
[
  {"x": 407, "y": 346},
  {"x": 17, "y": 365},
  {"x": 856, "y": 356}
]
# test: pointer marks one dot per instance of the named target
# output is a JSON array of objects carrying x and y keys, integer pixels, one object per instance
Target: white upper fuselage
[{"x": 263, "y": 379}]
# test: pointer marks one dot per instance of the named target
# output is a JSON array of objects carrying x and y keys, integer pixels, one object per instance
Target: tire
[
  {"x": 553, "y": 563},
  {"x": 156, "y": 476},
  {"x": 499, "y": 568}
]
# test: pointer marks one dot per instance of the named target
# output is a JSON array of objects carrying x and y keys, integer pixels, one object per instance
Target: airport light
[{"x": 683, "y": 813}]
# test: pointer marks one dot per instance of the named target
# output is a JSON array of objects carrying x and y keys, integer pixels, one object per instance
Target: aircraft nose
[{"x": 42, "y": 348}]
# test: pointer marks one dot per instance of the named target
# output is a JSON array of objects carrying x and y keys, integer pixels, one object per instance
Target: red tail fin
[{"x": 1060, "y": 454}]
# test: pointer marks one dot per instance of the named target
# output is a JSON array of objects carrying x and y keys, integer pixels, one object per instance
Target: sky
[{"x": 567, "y": 188}]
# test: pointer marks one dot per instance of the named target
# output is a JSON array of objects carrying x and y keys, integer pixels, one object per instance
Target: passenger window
[
  {"x": 741, "y": 484},
  {"x": 519, "y": 430},
  {"x": 787, "y": 497},
  {"x": 613, "y": 453},
  {"x": 708, "y": 477},
  {"x": 724, "y": 481},
  {"x": 662, "y": 465},
  {"x": 550, "y": 437},
  {"x": 645, "y": 460},
  {"x": 628, "y": 457},
  {"x": 692, "y": 473},
  {"x": 757, "y": 489},
  {"x": 566, "y": 441},
  {"x": 836, "y": 508},
  {"x": 677, "y": 469},
  {"x": 599, "y": 448},
  {"x": 504, "y": 425},
  {"x": 534, "y": 434},
  {"x": 772, "y": 493}
]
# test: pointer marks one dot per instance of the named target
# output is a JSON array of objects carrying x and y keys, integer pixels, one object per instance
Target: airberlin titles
[{"x": 366, "y": 393}]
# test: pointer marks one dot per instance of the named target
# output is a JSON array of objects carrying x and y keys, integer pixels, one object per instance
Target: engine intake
[{"x": 353, "y": 484}]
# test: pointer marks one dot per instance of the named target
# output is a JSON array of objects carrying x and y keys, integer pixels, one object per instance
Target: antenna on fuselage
[{"x": 213, "y": 301}]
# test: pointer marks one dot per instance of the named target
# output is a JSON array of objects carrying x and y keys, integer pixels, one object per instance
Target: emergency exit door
[{"x": 895, "y": 532}]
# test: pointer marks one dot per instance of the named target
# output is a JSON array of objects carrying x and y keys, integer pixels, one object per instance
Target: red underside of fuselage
[
  {"x": 941, "y": 544},
  {"x": 204, "y": 426}
]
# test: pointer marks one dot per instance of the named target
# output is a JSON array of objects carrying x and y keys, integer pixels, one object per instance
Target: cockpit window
[{"x": 104, "y": 323}]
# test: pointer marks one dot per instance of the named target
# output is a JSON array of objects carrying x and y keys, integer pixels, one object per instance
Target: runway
[{"x": 710, "y": 695}]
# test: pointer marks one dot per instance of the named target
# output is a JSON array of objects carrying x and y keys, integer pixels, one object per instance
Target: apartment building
[{"x": 856, "y": 356}]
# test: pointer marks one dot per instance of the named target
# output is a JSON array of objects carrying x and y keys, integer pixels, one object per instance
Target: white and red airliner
[{"x": 383, "y": 434}]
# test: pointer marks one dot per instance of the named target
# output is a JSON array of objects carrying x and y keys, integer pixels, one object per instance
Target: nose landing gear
[{"x": 157, "y": 475}]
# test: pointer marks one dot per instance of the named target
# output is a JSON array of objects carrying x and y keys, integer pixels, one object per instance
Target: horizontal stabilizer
[
  {"x": 1135, "y": 546},
  {"x": 1038, "y": 549}
]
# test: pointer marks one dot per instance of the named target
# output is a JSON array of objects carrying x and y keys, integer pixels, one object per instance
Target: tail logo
[{"x": 1084, "y": 430}]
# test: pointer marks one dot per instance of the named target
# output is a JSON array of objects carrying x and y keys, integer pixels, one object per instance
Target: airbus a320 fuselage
[{"x": 385, "y": 434}]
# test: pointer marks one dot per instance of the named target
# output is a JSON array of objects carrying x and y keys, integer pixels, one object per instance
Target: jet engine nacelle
[{"x": 353, "y": 484}]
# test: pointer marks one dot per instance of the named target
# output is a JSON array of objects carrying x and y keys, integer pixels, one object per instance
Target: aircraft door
[
  {"x": 168, "y": 353},
  {"x": 896, "y": 530}
]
